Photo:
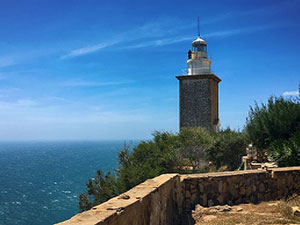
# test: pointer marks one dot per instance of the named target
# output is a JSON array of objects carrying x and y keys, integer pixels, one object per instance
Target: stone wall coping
[
  {"x": 236, "y": 173},
  {"x": 202, "y": 76},
  {"x": 220, "y": 174},
  {"x": 158, "y": 181},
  {"x": 119, "y": 204},
  {"x": 284, "y": 169}
]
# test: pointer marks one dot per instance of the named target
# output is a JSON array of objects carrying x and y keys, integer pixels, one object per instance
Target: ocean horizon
[{"x": 40, "y": 181}]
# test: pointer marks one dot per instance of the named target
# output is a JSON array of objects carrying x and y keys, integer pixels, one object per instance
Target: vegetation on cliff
[
  {"x": 186, "y": 152},
  {"x": 274, "y": 128}
]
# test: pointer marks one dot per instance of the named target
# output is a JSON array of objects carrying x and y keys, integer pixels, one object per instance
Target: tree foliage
[
  {"x": 286, "y": 152},
  {"x": 165, "y": 153},
  {"x": 194, "y": 145},
  {"x": 101, "y": 188},
  {"x": 278, "y": 119},
  {"x": 147, "y": 160},
  {"x": 228, "y": 149},
  {"x": 274, "y": 128}
]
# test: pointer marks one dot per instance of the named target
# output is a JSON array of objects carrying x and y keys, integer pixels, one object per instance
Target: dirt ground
[{"x": 274, "y": 212}]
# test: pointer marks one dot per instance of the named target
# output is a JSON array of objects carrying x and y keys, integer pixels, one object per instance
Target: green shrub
[
  {"x": 147, "y": 160},
  {"x": 279, "y": 119},
  {"x": 101, "y": 188},
  {"x": 194, "y": 145},
  {"x": 286, "y": 152},
  {"x": 165, "y": 153},
  {"x": 274, "y": 128},
  {"x": 228, "y": 149}
]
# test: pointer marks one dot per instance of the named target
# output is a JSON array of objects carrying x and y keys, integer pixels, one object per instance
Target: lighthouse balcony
[{"x": 199, "y": 71}]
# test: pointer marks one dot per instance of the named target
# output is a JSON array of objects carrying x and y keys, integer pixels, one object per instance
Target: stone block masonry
[
  {"x": 168, "y": 199},
  {"x": 251, "y": 186},
  {"x": 199, "y": 101}
]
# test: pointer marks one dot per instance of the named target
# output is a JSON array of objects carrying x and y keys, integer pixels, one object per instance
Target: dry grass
[{"x": 275, "y": 212}]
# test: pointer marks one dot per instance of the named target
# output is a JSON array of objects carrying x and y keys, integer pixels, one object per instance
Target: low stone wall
[
  {"x": 251, "y": 186},
  {"x": 155, "y": 202},
  {"x": 168, "y": 199}
]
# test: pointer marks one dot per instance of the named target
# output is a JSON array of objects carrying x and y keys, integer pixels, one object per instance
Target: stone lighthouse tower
[{"x": 199, "y": 90}]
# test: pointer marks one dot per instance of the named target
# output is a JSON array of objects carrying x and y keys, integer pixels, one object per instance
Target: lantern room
[{"x": 197, "y": 58}]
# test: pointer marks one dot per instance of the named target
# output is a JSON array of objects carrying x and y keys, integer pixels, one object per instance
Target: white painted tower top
[{"x": 198, "y": 63}]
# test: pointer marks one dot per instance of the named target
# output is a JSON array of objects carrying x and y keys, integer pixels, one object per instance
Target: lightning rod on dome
[{"x": 198, "y": 26}]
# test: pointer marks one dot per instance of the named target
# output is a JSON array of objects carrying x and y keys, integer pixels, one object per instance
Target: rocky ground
[{"x": 274, "y": 212}]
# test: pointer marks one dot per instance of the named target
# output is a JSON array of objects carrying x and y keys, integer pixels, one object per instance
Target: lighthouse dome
[{"x": 198, "y": 41}]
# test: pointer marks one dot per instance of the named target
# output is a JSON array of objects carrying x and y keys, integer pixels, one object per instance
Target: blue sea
[{"x": 40, "y": 182}]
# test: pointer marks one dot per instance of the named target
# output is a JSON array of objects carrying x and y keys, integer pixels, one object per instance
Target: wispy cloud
[
  {"x": 6, "y": 92},
  {"x": 81, "y": 83},
  {"x": 158, "y": 28},
  {"x": 158, "y": 42},
  {"x": 158, "y": 32},
  {"x": 161, "y": 27},
  {"x": 222, "y": 33},
  {"x": 161, "y": 42},
  {"x": 262, "y": 11},
  {"x": 55, "y": 98},
  {"x": 89, "y": 49},
  {"x": 245, "y": 30},
  {"x": 2, "y": 76},
  {"x": 20, "y": 103},
  {"x": 35, "y": 111},
  {"x": 26, "y": 102},
  {"x": 6, "y": 61},
  {"x": 290, "y": 93}
]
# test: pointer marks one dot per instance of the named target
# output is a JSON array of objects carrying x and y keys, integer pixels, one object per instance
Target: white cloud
[
  {"x": 6, "y": 61},
  {"x": 165, "y": 31},
  {"x": 89, "y": 49},
  {"x": 177, "y": 39},
  {"x": 6, "y": 92},
  {"x": 164, "y": 26},
  {"x": 159, "y": 28},
  {"x": 291, "y": 93},
  {"x": 245, "y": 30},
  {"x": 158, "y": 42},
  {"x": 56, "y": 99},
  {"x": 18, "y": 104},
  {"x": 44, "y": 112},
  {"x": 2, "y": 76},
  {"x": 262, "y": 11},
  {"x": 25, "y": 102}
]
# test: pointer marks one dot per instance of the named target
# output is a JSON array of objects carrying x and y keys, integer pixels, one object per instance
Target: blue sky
[{"x": 106, "y": 69}]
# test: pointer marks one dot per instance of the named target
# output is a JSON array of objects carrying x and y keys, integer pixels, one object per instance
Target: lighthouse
[{"x": 199, "y": 90}]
